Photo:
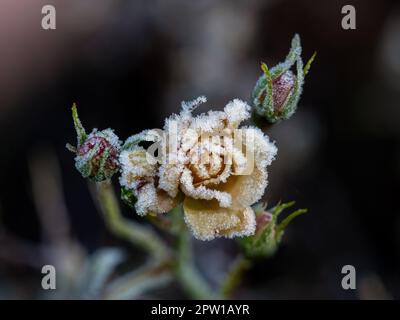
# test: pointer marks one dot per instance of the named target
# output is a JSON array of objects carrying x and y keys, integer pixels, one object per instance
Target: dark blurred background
[{"x": 129, "y": 64}]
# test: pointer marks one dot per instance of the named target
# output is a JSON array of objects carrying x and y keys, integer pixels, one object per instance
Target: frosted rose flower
[{"x": 215, "y": 168}]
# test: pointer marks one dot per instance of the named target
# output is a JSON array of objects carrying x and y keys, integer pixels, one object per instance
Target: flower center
[{"x": 206, "y": 160}]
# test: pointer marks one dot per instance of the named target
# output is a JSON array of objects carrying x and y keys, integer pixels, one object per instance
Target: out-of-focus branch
[
  {"x": 137, "y": 234},
  {"x": 186, "y": 272},
  {"x": 19, "y": 252},
  {"x": 48, "y": 198},
  {"x": 58, "y": 247},
  {"x": 234, "y": 276},
  {"x": 135, "y": 283}
]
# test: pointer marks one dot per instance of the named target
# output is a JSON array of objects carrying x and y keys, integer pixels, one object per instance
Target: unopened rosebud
[
  {"x": 97, "y": 157},
  {"x": 97, "y": 153},
  {"x": 269, "y": 232},
  {"x": 281, "y": 88},
  {"x": 277, "y": 91},
  {"x": 262, "y": 220}
]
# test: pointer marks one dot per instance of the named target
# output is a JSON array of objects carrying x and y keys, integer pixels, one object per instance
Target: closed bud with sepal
[
  {"x": 97, "y": 153},
  {"x": 269, "y": 231},
  {"x": 278, "y": 90}
]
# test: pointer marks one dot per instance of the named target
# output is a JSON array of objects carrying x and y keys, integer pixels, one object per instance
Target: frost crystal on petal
[
  {"x": 237, "y": 111},
  {"x": 215, "y": 167}
]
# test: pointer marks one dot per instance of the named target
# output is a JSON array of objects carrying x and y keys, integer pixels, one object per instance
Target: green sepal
[
  {"x": 102, "y": 173},
  {"x": 262, "y": 95},
  {"x": 261, "y": 245},
  {"x": 80, "y": 130},
  {"x": 266, "y": 242},
  {"x": 277, "y": 210},
  {"x": 71, "y": 148},
  {"x": 128, "y": 197},
  {"x": 84, "y": 167},
  {"x": 309, "y": 62},
  {"x": 280, "y": 228},
  {"x": 259, "y": 208},
  {"x": 131, "y": 142},
  {"x": 291, "y": 58},
  {"x": 290, "y": 105}
]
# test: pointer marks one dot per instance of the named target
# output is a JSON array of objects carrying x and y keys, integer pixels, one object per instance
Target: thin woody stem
[
  {"x": 137, "y": 234},
  {"x": 148, "y": 277},
  {"x": 186, "y": 272},
  {"x": 143, "y": 237},
  {"x": 234, "y": 276}
]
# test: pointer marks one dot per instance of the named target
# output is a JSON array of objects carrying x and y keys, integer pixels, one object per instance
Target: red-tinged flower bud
[
  {"x": 97, "y": 153},
  {"x": 269, "y": 231},
  {"x": 277, "y": 92},
  {"x": 281, "y": 88},
  {"x": 97, "y": 157},
  {"x": 262, "y": 220}
]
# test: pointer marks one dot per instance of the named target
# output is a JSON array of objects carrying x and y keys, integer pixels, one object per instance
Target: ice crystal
[
  {"x": 277, "y": 92},
  {"x": 97, "y": 153},
  {"x": 202, "y": 161}
]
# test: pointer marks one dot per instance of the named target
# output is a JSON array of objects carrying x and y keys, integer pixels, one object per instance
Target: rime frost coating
[
  {"x": 97, "y": 157},
  {"x": 278, "y": 90},
  {"x": 209, "y": 175},
  {"x": 97, "y": 153}
]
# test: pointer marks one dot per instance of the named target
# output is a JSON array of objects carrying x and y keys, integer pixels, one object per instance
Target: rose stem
[
  {"x": 234, "y": 276},
  {"x": 137, "y": 234},
  {"x": 186, "y": 272}
]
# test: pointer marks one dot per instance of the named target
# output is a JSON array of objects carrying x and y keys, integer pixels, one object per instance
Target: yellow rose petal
[{"x": 207, "y": 220}]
